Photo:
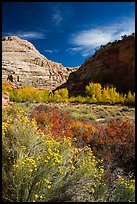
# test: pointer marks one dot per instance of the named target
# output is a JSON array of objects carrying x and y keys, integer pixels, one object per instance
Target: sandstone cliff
[
  {"x": 113, "y": 63},
  {"x": 27, "y": 66}
]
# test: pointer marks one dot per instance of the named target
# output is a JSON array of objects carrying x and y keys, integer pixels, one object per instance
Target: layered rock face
[
  {"x": 113, "y": 63},
  {"x": 26, "y": 65}
]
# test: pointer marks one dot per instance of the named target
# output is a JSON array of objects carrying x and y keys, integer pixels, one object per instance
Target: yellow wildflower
[
  {"x": 24, "y": 148},
  {"x": 31, "y": 170},
  {"x": 41, "y": 196},
  {"x": 49, "y": 186},
  {"x": 70, "y": 161},
  {"x": 48, "y": 157},
  {"x": 73, "y": 168},
  {"x": 46, "y": 160},
  {"x": 92, "y": 190},
  {"x": 36, "y": 196}
]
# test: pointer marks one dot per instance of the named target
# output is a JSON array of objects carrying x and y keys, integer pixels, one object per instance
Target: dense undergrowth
[
  {"x": 94, "y": 93},
  {"x": 48, "y": 155},
  {"x": 53, "y": 153}
]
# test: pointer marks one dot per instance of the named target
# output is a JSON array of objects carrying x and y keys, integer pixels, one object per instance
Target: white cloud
[
  {"x": 51, "y": 51},
  {"x": 86, "y": 41},
  {"x": 56, "y": 16},
  {"x": 27, "y": 35}
]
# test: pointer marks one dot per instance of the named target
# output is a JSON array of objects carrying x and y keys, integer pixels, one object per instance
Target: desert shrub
[
  {"x": 38, "y": 168},
  {"x": 115, "y": 143},
  {"x": 54, "y": 120},
  {"x": 60, "y": 124},
  {"x": 82, "y": 131},
  {"x": 12, "y": 112},
  {"x": 7, "y": 87}
]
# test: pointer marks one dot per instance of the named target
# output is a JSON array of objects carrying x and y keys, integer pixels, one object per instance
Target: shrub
[
  {"x": 38, "y": 168},
  {"x": 54, "y": 120},
  {"x": 115, "y": 143},
  {"x": 60, "y": 124},
  {"x": 7, "y": 87}
]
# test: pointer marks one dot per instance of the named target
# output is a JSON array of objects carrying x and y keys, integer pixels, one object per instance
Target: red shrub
[
  {"x": 115, "y": 143},
  {"x": 60, "y": 124},
  {"x": 56, "y": 121}
]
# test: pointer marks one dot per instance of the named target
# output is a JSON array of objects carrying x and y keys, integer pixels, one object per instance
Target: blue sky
[{"x": 68, "y": 32}]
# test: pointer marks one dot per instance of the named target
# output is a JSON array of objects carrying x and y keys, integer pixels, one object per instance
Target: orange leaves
[
  {"x": 116, "y": 143},
  {"x": 60, "y": 124}
]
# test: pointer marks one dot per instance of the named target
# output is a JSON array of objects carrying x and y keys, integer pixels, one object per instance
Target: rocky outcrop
[
  {"x": 5, "y": 100},
  {"x": 25, "y": 65},
  {"x": 113, "y": 63}
]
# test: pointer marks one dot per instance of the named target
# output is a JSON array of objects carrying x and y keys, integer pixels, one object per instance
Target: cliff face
[
  {"x": 111, "y": 64},
  {"x": 27, "y": 66}
]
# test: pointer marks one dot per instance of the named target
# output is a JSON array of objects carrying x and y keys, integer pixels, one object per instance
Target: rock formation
[
  {"x": 23, "y": 64},
  {"x": 113, "y": 63}
]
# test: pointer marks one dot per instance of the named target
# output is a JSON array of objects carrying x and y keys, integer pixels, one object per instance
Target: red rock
[{"x": 112, "y": 64}]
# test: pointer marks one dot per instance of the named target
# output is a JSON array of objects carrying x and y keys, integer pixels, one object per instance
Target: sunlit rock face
[
  {"x": 27, "y": 66},
  {"x": 113, "y": 63}
]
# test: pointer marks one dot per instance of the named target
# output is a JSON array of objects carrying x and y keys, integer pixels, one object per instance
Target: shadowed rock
[{"x": 111, "y": 64}]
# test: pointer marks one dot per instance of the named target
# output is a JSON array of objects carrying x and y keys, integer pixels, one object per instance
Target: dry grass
[{"x": 98, "y": 113}]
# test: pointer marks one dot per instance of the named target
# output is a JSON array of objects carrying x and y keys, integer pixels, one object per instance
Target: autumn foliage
[
  {"x": 115, "y": 143},
  {"x": 94, "y": 93},
  {"x": 60, "y": 124}
]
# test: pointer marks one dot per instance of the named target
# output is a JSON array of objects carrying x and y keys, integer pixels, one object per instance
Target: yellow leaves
[
  {"x": 61, "y": 94},
  {"x": 108, "y": 94}
]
